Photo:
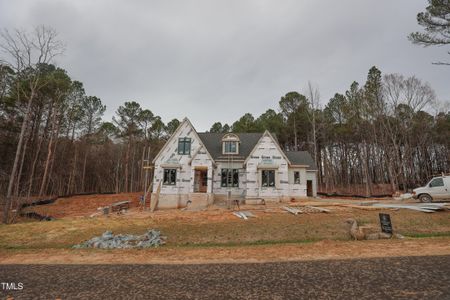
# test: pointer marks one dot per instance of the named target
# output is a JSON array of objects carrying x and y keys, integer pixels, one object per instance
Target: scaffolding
[{"x": 148, "y": 172}]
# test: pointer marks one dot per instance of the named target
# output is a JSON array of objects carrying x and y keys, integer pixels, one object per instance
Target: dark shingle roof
[
  {"x": 213, "y": 143},
  {"x": 301, "y": 158}
]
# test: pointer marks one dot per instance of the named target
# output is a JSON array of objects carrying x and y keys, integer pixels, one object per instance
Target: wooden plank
[
  {"x": 361, "y": 207},
  {"x": 154, "y": 202},
  {"x": 118, "y": 206},
  {"x": 248, "y": 214},
  {"x": 243, "y": 216},
  {"x": 120, "y": 203},
  {"x": 412, "y": 207},
  {"x": 237, "y": 215},
  {"x": 320, "y": 209},
  {"x": 240, "y": 215},
  {"x": 291, "y": 210}
]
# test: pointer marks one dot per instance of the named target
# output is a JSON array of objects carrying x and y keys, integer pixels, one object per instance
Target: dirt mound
[{"x": 85, "y": 205}]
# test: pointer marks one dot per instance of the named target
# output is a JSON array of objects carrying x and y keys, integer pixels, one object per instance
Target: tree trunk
[
  {"x": 127, "y": 158},
  {"x": 49, "y": 156},
  {"x": 19, "y": 174},
  {"x": 83, "y": 176},
  {"x": 16, "y": 160},
  {"x": 72, "y": 172},
  {"x": 295, "y": 136},
  {"x": 117, "y": 175},
  {"x": 52, "y": 159}
]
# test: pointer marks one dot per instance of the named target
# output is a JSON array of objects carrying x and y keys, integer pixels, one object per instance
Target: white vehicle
[{"x": 438, "y": 188}]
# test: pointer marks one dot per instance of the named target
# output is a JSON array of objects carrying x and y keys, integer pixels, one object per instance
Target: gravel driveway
[{"x": 383, "y": 278}]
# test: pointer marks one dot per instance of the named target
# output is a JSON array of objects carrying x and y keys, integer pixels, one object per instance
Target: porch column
[
  {"x": 210, "y": 179},
  {"x": 191, "y": 183}
]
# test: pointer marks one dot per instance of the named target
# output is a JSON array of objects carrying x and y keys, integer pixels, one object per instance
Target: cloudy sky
[{"x": 216, "y": 60}]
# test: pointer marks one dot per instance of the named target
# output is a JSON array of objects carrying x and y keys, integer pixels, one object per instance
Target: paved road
[{"x": 408, "y": 277}]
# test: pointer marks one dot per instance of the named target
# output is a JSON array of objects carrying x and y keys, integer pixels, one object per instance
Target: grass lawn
[{"x": 218, "y": 228}]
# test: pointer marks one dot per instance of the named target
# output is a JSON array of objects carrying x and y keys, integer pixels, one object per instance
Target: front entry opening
[
  {"x": 309, "y": 188},
  {"x": 201, "y": 181}
]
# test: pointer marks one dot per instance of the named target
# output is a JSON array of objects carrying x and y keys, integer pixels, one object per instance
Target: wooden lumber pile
[
  {"x": 292, "y": 210},
  {"x": 119, "y": 206},
  {"x": 305, "y": 210}
]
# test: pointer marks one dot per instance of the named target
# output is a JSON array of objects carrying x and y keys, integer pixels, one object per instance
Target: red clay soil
[
  {"x": 358, "y": 189},
  {"x": 83, "y": 205}
]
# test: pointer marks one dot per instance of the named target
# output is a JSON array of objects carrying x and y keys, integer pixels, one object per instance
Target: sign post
[{"x": 386, "y": 224}]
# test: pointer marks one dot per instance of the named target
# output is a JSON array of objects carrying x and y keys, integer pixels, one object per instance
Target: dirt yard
[
  {"x": 215, "y": 234},
  {"x": 79, "y": 206}
]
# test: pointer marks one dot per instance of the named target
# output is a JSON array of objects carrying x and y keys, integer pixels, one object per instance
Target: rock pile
[{"x": 108, "y": 240}]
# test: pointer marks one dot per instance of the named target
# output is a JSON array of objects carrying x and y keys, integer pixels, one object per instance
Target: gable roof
[
  {"x": 213, "y": 143},
  {"x": 248, "y": 141},
  {"x": 301, "y": 158},
  {"x": 185, "y": 120},
  {"x": 267, "y": 133}
]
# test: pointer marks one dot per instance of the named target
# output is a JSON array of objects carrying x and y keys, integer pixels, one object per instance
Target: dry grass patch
[{"x": 217, "y": 227}]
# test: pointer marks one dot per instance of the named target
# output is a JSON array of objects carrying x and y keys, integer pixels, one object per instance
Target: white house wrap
[{"x": 201, "y": 168}]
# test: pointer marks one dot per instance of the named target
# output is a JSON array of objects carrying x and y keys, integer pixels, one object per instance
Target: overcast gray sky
[{"x": 216, "y": 60}]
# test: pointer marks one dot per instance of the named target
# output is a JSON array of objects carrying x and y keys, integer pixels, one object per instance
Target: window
[
  {"x": 184, "y": 146},
  {"x": 170, "y": 176},
  {"x": 437, "y": 182},
  {"x": 268, "y": 178},
  {"x": 296, "y": 177},
  {"x": 230, "y": 144},
  {"x": 230, "y": 147},
  {"x": 230, "y": 177}
]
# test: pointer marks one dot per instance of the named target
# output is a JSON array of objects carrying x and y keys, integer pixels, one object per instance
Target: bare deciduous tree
[{"x": 25, "y": 52}]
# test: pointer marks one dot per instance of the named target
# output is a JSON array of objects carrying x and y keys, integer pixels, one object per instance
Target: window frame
[
  {"x": 268, "y": 181},
  {"x": 229, "y": 178},
  {"x": 228, "y": 151},
  {"x": 185, "y": 149},
  {"x": 167, "y": 172}
]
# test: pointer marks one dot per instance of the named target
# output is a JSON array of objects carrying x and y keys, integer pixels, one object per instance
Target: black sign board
[{"x": 386, "y": 225}]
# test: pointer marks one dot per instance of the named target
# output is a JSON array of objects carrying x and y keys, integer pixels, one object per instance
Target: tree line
[
  {"x": 390, "y": 131},
  {"x": 53, "y": 139}
]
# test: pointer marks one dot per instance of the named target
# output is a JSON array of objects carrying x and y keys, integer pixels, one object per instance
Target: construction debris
[
  {"x": 401, "y": 197},
  {"x": 108, "y": 240},
  {"x": 292, "y": 210},
  {"x": 360, "y": 232},
  {"x": 119, "y": 206},
  {"x": 305, "y": 209},
  {"x": 363, "y": 207},
  {"x": 244, "y": 214},
  {"x": 314, "y": 209},
  {"x": 96, "y": 214},
  {"x": 367, "y": 203},
  {"x": 102, "y": 210},
  {"x": 426, "y": 207}
]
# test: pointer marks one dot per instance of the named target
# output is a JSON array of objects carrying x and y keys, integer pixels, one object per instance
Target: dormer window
[
  {"x": 230, "y": 147},
  {"x": 230, "y": 144}
]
